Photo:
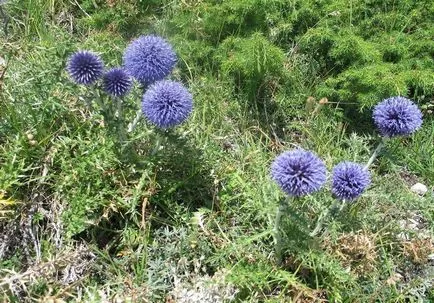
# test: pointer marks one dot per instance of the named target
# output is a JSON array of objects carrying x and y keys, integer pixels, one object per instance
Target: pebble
[{"x": 419, "y": 189}]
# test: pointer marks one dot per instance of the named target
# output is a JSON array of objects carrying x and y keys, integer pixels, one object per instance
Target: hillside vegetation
[{"x": 88, "y": 214}]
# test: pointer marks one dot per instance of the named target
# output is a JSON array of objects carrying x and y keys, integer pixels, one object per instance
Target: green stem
[
  {"x": 88, "y": 97},
  {"x": 376, "y": 153},
  {"x": 101, "y": 105},
  {"x": 139, "y": 113},
  {"x": 136, "y": 120},
  {"x": 342, "y": 206},
  {"x": 276, "y": 230},
  {"x": 338, "y": 204},
  {"x": 320, "y": 222},
  {"x": 158, "y": 141},
  {"x": 120, "y": 120},
  {"x": 119, "y": 107}
]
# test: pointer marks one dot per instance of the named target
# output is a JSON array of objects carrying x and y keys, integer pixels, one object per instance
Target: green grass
[{"x": 134, "y": 220}]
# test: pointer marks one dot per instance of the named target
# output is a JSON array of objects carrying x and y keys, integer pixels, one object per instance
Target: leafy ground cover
[{"x": 87, "y": 218}]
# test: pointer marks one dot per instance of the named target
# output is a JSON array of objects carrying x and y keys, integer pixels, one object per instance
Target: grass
[{"x": 84, "y": 217}]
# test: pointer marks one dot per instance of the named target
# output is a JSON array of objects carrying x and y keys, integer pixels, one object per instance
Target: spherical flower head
[
  {"x": 149, "y": 59},
  {"x": 167, "y": 103},
  {"x": 298, "y": 172},
  {"x": 85, "y": 67},
  {"x": 397, "y": 116},
  {"x": 117, "y": 82},
  {"x": 349, "y": 180}
]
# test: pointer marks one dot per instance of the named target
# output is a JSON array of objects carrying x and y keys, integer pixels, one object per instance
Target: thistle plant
[
  {"x": 301, "y": 172},
  {"x": 349, "y": 181},
  {"x": 147, "y": 59},
  {"x": 117, "y": 83},
  {"x": 394, "y": 117},
  {"x": 298, "y": 173}
]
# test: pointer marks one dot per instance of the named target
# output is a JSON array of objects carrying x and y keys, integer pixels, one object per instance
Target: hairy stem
[
  {"x": 339, "y": 205},
  {"x": 120, "y": 120},
  {"x": 158, "y": 142},
  {"x": 139, "y": 114},
  {"x": 375, "y": 153},
  {"x": 136, "y": 120},
  {"x": 88, "y": 97},
  {"x": 276, "y": 230}
]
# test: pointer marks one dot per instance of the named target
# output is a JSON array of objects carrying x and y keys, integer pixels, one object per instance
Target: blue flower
[
  {"x": 149, "y": 59},
  {"x": 117, "y": 82},
  {"x": 349, "y": 180},
  {"x": 85, "y": 67},
  {"x": 167, "y": 103},
  {"x": 397, "y": 116},
  {"x": 298, "y": 172}
]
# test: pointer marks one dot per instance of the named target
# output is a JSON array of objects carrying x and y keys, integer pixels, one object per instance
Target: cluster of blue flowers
[
  {"x": 149, "y": 60},
  {"x": 300, "y": 172}
]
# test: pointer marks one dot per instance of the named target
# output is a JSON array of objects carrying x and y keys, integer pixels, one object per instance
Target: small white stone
[{"x": 419, "y": 189}]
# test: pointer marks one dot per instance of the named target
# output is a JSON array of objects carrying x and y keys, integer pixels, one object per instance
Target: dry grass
[
  {"x": 356, "y": 251},
  {"x": 418, "y": 251}
]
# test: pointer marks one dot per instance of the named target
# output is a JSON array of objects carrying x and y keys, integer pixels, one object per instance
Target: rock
[{"x": 419, "y": 189}]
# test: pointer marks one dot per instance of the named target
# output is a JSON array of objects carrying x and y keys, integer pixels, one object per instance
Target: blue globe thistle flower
[
  {"x": 167, "y": 103},
  {"x": 298, "y": 172},
  {"x": 85, "y": 67},
  {"x": 149, "y": 59},
  {"x": 349, "y": 180},
  {"x": 117, "y": 82},
  {"x": 397, "y": 116}
]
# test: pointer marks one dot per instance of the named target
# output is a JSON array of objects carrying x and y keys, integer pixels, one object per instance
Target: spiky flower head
[
  {"x": 397, "y": 116},
  {"x": 117, "y": 82},
  {"x": 349, "y": 180},
  {"x": 298, "y": 172},
  {"x": 149, "y": 59},
  {"x": 167, "y": 103},
  {"x": 85, "y": 67}
]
